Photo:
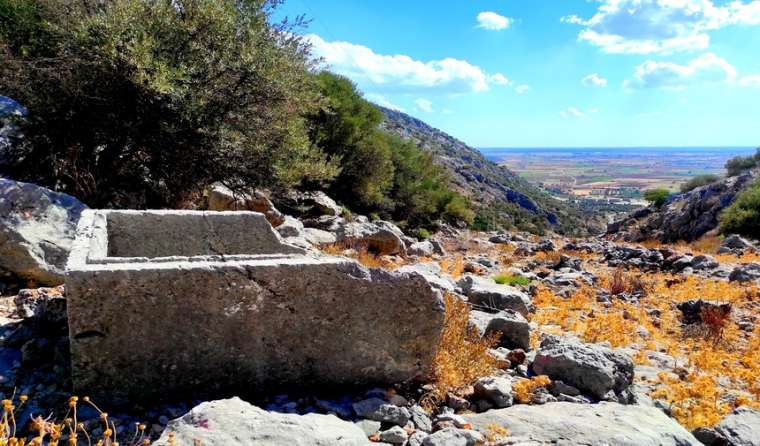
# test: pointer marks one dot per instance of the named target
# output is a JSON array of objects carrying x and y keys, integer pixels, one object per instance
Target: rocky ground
[{"x": 586, "y": 342}]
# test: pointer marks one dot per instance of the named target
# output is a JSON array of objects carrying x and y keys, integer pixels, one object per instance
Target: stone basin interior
[{"x": 159, "y": 234}]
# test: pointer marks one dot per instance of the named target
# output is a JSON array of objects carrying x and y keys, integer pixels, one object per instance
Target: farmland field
[{"x": 619, "y": 172}]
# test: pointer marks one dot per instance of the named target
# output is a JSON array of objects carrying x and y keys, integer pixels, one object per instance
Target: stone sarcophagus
[{"x": 169, "y": 305}]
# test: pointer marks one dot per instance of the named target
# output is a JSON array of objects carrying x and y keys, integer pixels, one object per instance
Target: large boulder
[
  {"x": 222, "y": 198},
  {"x": 487, "y": 295},
  {"x": 591, "y": 368},
  {"x": 600, "y": 424},
  {"x": 308, "y": 204},
  {"x": 380, "y": 237},
  {"x": 736, "y": 242},
  {"x": 10, "y": 112},
  {"x": 511, "y": 327},
  {"x": 745, "y": 273},
  {"x": 741, "y": 427},
  {"x": 452, "y": 436},
  {"x": 431, "y": 271},
  {"x": 37, "y": 227},
  {"x": 233, "y": 422}
]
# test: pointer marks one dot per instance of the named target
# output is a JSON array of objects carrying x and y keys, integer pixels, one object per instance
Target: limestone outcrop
[{"x": 37, "y": 228}]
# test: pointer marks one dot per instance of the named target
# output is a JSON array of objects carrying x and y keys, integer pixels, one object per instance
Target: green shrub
[
  {"x": 379, "y": 171},
  {"x": 739, "y": 164},
  {"x": 511, "y": 279},
  {"x": 743, "y": 215},
  {"x": 423, "y": 234},
  {"x": 346, "y": 128},
  {"x": 140, "y": 103},
  {"x": 699, "y": 181},
  {"x": 657, "y": 197}
]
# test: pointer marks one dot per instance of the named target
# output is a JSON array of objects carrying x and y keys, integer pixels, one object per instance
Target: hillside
[{"x": 494, "y": 189}]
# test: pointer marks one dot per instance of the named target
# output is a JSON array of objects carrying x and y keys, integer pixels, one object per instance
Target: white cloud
[
  {"x": 399, "y": 71},
  {"x": 707, "y": 68},
  {"x": 493, "y": 21},
  {"x": 594, "y": 80},
  {"x": 750, "y": 81},
  {"x": 499, "y": 79},
  {"x": 383, "y": 101},
  {"x": 522, "y": 88},
  {"x": 660, "y": 26},
  {"x": 424, "y": 105},
  {"x": 571, "y": 112}
]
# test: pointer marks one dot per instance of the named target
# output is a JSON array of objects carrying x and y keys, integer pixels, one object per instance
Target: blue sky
[{"x": 559, "y": 73}]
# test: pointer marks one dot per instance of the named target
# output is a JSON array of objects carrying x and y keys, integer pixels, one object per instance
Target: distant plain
[{"x": 579, "y": 171}]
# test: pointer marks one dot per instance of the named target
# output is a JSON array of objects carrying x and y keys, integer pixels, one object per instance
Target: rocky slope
[
  {"x": 599, "y": 343},
  {"x": 686, "y": 216},
  {"x": 484, "y": 181}
]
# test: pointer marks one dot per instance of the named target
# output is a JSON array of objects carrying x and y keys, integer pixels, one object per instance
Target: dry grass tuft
[
  {"x": 496, "y": 433},
  {"x": 453, "y": 266},
  {"x": 71, "y": 431},
  {"x": 549, "y": 258},
  {"x": 621, "y": 282},
  {"x": 462, "y": 356},
  {"x": 361, "y": 254},
  {"x": 715, "y": 320},
  {"x": 708, "y": 244},
  {"x": 526, "y": 388}
]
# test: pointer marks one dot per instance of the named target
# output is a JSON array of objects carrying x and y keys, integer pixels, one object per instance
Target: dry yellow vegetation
[
  {"x": 362, "y": 255},
  {"x": 71, "y": 431},
  {"x": 526, "y": 388},
  {"x": 716, "y": 370},
  {"x": 453, "y": 266},
  {"x": 462, "y": 355}
]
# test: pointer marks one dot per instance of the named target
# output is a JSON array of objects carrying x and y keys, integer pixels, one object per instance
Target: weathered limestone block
[
  {"x": 222, "y": 198},
  {"x": 37, "y": 227},
  {"x": 234, "y": 422},
  {"x": 221, "y": 312}
]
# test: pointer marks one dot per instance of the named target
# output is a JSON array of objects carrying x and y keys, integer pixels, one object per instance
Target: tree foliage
[
  {"x": 657, "y": 197},
  {"x": 136, "y": 103},
  {"x": 743, "y": 215},
  {"x": 141, "y": 103},
  {"x": 380, "y": 172}
]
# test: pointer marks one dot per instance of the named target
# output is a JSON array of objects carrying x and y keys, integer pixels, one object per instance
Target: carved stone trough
[{"x": 165, "y": 305}]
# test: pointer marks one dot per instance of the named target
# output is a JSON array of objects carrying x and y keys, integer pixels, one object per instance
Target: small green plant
[
  {"x": 346, "y": 214},
  {"x": 743, "y": 216},
  {"x": 511, "y": 279},
  {"x": 657, "y": 197},
  {"x": 423, "y": 233}
]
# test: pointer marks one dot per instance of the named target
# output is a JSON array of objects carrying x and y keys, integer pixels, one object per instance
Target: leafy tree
[
  {"x": 380, "y": 172},
  {"x": 698, "y": 181},
  {"x": 657, "y": 197},
  {"x": 346, "y": 127},
  {"x": 743, "y": 215},
  {"x": 739, "y": 164},
  {"x": 421, "y": 193},
  {"x": 145, "y": 102}
]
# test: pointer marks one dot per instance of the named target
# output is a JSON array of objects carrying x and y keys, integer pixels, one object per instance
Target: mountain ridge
[{"x": 493, "y": 188}]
